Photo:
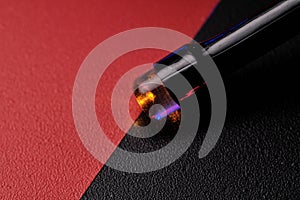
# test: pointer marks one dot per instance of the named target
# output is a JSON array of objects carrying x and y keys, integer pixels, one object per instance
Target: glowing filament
[{"x": 145, "y": 99}]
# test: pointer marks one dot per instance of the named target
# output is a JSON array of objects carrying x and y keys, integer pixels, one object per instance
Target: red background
[{"x": 42, "y": 44}]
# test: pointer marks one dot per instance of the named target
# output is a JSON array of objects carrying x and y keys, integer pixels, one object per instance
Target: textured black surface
[{"x": 258, "y": 153}]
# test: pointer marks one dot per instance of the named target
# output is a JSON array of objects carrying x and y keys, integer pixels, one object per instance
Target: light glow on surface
[{"x": 166, "y": 112}]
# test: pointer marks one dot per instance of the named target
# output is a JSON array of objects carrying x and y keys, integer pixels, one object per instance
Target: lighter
[{"x": 230, "y": 51}]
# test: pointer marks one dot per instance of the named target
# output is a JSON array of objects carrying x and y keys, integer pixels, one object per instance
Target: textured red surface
[{"x": 42, "y": 44}]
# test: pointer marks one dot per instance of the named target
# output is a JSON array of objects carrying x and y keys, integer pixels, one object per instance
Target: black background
[{"x": 258, "y": 153}]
